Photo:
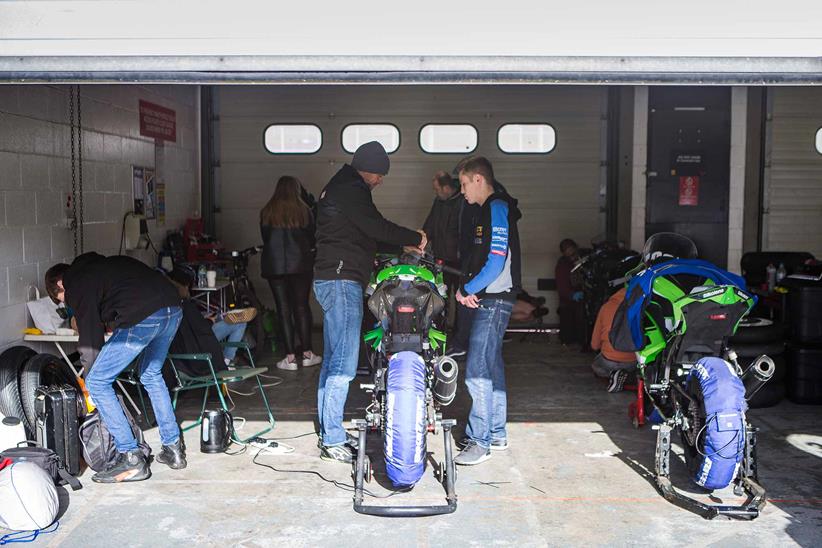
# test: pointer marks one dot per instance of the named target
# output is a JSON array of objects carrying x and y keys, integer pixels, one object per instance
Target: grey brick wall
[{"x": 35, "y": 179}]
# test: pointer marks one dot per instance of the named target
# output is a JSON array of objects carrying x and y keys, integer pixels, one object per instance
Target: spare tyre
[
  {"x": 758, "y": 330},
  {"x": 11, "y": 361},
  {"x": 769, "y": 395},
  {"x": 44, "y": 370}
]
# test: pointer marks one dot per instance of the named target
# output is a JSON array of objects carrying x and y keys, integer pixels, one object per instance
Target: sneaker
[
  {"x": 472, "y": 454},
  {"x": 312, "y": 360},
  {"x": 499, "y": 445},
  {"x": 287, "y": 365},
  {"x": 617, "y": 380},
  {"x": 352, "y": 441},
  {"x": 174, "y": 456},
  {"x": 496, "y": 444},
  {"x": 455, "y": 351},
  {"x": 337, "y": 453},
  {"x": 129, "y": 466}
]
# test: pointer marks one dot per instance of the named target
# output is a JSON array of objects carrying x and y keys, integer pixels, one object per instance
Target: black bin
[
  {"x": 805, "y": 303},
  {"x": 805, "y": 375}
]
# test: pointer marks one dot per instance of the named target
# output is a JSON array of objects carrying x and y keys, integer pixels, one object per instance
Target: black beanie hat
[{"x": 371, "y": 157}]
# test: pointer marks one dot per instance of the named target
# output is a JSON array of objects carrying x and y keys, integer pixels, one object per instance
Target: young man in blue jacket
[{"x": 490, "y": 287}]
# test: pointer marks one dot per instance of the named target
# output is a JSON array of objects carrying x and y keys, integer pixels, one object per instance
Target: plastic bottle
[
  {"x": 201, "y": 276},
  {"x": 781, "y": 272},
  {"x": 771, "y": 272}
]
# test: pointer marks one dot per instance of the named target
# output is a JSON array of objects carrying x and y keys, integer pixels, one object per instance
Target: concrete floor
[{"x": 575, "y": 475}]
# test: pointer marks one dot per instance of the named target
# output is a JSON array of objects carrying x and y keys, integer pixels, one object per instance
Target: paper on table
[{"x": 44, "y": 314}]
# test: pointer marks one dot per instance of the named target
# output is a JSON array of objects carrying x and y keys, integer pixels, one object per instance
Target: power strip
[{"x": 270, "y": 447}]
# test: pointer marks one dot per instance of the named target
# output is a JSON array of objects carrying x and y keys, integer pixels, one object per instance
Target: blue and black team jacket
[{"x": 493, "y": 269}]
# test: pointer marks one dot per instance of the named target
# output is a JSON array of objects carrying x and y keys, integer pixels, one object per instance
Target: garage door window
[
  {"x": 526, "y": 138},
  {"x": 353, "y": 135},
  {"x": 292, "y": 139},
  {"x": 819, "y": 140},
  {"x": 448, "y": 138}
]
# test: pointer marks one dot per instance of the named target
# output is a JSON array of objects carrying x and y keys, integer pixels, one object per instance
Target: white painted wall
[
  {"x": 425, "y": 27},
  {"x": 793, "y": 172},
  {"x": 559, "y": 193},
  {"x": 736, "y": 191},
  {"x": 35, "y": 178}
]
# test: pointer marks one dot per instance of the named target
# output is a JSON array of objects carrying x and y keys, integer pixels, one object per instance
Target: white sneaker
[
  {"x": 312, "y": 360},
  {"x": 287, "y": 365}
]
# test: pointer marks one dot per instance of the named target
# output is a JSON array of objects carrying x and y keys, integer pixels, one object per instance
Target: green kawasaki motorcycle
[
  {"x": 678, "y": 315},
  {"x": 412, "y": 379}
]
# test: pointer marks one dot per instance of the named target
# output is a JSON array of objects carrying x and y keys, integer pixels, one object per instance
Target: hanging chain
[
  {"x": 80, "y": 224},
  {"x": 73, "y": 170}
]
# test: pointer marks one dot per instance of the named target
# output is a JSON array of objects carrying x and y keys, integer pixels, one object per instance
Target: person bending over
[
  {"x": 143, "y": 309},
  {"x": 490, "y": 288},
  {"x": 610, "y": 363},
  {"x": 348, "y": 229}
]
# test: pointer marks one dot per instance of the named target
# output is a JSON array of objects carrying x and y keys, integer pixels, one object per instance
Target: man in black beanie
[{"x": 348, "y": 229}]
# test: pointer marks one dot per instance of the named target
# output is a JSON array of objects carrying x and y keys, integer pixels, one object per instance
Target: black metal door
[{"x": 689, "y": 140}]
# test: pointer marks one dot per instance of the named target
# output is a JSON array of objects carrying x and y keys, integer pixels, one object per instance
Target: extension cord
[{"x": 270, "y": 447}]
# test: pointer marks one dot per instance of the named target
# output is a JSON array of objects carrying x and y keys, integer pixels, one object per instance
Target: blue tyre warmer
[
  {"x": 405, "y": 427},
  {"x": 724, "y": 398}
]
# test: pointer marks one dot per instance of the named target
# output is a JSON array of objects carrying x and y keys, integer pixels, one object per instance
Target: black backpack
[{"x": 99, "y": 450}]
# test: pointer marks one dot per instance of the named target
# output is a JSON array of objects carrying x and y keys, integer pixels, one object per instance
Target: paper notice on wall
[
  {"x": 138, "y": 189},
  {"x": 689, "y": 190},
  {"x": 144, "y": 188}
]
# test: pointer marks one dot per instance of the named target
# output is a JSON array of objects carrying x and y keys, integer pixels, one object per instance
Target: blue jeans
[
  {"x": 231, "y": 332},
  {"x": 341, "y": 301},
  {"x": 485, "y": 372},
  {"x": 152, "y": 337}
]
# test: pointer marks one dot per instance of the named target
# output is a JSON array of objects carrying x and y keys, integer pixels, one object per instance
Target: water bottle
[
  {"x": 781, "y": 272},
  {"x": 201, "y": 276},
  {"x": 771, "y": 272}
]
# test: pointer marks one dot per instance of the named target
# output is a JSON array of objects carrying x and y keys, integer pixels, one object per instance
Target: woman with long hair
[{"x": 287, "y": 228}]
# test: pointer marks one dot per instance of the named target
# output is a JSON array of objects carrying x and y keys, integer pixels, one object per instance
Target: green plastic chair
[
  {"x": 218, "y": 380},
  {"x": 215, "y": 379}
]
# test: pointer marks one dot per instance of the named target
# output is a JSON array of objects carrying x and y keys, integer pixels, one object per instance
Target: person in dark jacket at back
[
  {"x": 569, "y": 289},
  {"x": 442, "y": 225},
  {"x": 287, "y": 227},
  {"x": 348, "y": 229},
  {"x": 143, "y": 309}
]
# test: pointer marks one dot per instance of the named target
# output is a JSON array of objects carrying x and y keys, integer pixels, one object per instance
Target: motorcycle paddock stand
[
  {"x": 745, "y": 483},
  {"x": 449, "y": 471}
]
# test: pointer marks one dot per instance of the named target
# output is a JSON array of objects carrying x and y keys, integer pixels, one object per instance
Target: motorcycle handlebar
[{"x": 436, "y": 264}]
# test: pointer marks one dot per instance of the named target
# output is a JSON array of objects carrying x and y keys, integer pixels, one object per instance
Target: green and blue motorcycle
[
  {"x": 412, "y": 379},
  {"x": 678, "y": 316}
]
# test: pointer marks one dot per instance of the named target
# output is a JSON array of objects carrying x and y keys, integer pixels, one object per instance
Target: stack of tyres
[
  {"x": 757, "y": 336},
  {"x": 805, "y": 374}
]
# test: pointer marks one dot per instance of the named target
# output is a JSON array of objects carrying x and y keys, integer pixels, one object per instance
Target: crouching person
[
  {"x": 143, "y": 309},
  {"x": 618, "y": 367}
]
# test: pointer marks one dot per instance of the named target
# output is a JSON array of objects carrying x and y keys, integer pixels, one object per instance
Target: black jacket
[
  {"x": 287, "y": 250},
  {"x": 117, "y": 291},
  {"x": 502, "y": 246},
  {"x": 468, "y": 216},
  {"x": 443, "y": 229},
  {"x": 194, "y": 336},
  {"x": 349, "y": 227}
]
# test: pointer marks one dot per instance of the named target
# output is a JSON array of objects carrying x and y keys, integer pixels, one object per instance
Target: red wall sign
[
  {"x": 158, "y": 121},
  {"x": 689, "y": 191}
]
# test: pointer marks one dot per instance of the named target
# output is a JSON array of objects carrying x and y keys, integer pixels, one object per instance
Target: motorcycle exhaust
[
  {"x": 445, "y": 380},
  {"x": 757, "y": 374}
]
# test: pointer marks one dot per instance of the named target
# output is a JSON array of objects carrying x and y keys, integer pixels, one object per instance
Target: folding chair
[{"x": 219, "y": 380}]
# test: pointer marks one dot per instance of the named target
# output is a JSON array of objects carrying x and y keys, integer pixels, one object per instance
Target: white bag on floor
[{"x": 28, "y": 498}]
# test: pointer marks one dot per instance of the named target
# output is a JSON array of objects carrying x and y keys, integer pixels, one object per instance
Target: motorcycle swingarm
[
  {"x": 405, "y": 511},
  {"x": 749, "y": 510}
]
